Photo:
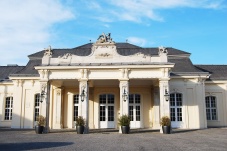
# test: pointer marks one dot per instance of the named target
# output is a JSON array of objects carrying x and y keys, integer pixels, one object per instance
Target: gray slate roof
[
  {"x": 183, "y": 65},
  {"x": 124, "y": 49},
  {"x": 218, "y": 72},
  {"x": 5, "y": 71},
  {"x": 29, "y": 70}
]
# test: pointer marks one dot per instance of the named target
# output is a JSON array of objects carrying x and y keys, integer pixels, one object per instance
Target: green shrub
[
  {"x": 41, "y": 120},
  {"x": 165, "y": 121},
  {"x": 80, "y": 121},
  {"x": 124, "y": 120}
]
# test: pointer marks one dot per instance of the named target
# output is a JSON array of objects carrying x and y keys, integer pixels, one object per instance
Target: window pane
[
  {"x": 8, "y": 108},
  {"x": 131, "y": 98},
  {"x": 102, "y": 99},
  {"x": 131, "y": 113},
  {"x": 102, "y": 113},
  {"x": 172, "y": 99},
  {"x": 179, "y": 114},
  {"x": 211, "y": 110},
  {"x": 214, "y": 116},
  {"x": 179, "y": 99},
  {"x": 137, "y": 113},
  {"x": 76, "y": 99},
  {"x": 137, "y": 98},
  {"x": 75, "y": 112},
  {"x": 172, "y": 114},
  {"x": 110, "y": 113},
  {"x": 110, "y": 99},
  {"x": 208, "y": 114}
]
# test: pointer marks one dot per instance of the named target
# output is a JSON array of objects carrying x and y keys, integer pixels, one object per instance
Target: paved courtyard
[{"x": 208, "y": 139}]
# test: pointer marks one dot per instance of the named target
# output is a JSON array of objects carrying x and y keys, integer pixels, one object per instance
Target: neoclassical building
[{"x": 103, "y": 80}]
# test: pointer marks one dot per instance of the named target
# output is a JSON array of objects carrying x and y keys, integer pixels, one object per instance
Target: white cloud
[
  {"x": 25, "y": 27},
  {"x": 137, "y": 41},
  {"x": 137, "y": 10}
]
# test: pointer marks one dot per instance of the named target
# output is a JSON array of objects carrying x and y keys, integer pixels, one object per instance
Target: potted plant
[
  {"x": 80, "y": 122},
  {"x": 41, "y": 121},
  {"x": 124, "y": 122},
  {"x": 165, "y": 122}
]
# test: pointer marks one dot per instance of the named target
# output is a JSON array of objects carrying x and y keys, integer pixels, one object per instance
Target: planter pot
[
  {"x": 80, "y": 129},
  {"x": 166, "y": 129},
  {"x": 39, "y": 129},
  {"x": 125, "y": 129}
]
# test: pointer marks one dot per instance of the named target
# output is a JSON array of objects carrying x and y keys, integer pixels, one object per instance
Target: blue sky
[{"x": 195, "y": 26}]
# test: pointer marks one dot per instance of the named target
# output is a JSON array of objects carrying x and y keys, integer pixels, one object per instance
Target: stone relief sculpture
[
  {"x": 48, "y": 51},
  {"x": 105, "y": 38},
  {"x": 65, "y": 56}
]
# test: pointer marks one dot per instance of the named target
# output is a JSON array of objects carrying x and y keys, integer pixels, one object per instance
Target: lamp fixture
[
  {"x": 82, "y": 96},
  {"x": 166, "y": 95},
  {"x": 124, "y": 95},
  {"x": 42, "y": 96}
]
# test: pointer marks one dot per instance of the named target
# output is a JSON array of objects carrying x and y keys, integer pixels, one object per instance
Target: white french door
[
  {"x": 106, "y": 111},
  {"x": 135, "y": 110},
  {"x": 176, "y": 110}
]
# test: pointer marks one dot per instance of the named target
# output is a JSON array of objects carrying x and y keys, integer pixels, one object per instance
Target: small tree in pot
[
  {"x": 165, "y": 122},
  {"x": 40, "y": 124},
  {"x": 80, "y": 122},
  {"x": 124, "y": 122}
]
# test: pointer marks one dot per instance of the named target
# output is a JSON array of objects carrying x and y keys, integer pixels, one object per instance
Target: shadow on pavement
[{"x": 32, "y": 145}]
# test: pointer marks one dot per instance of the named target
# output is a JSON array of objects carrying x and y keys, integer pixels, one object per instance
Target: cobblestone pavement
[{"x": 207, "y": 139}]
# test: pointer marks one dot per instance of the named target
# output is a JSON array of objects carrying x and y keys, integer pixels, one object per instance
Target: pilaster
[
  {"x": 124, "y": 102},
  {"x": 164, "y": 103},
  {"x": 84, "y": 104},
  {"x": 57, "y": 119}
]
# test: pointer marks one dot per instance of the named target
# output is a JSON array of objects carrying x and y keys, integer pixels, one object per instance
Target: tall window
[
  {"x": 211, "y": 108},
  {"x": 76, "y": 104},
  {"x": 37, "y": 100},
  {"x": 8, "y": 108},
  {"x": 176, "y": 107}
]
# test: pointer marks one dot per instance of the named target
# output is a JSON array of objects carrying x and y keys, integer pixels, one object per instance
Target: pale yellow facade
[{"x": 146, "y": 82}]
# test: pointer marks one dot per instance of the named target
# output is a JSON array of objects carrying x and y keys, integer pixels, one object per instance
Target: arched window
[
  {"x": 36, "y": 106},
  {"x": 211, "y": 108},
  {"x": 8, "y": 108}
]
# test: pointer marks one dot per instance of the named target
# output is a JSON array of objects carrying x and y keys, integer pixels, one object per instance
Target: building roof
[
  {"x": 5, "y": 71},
  {"x": 218, "y": 72},
  {"x": 124, "y": 49},
  {"x": 29, "y": 70},
  {"x": 182, "y": 64}
]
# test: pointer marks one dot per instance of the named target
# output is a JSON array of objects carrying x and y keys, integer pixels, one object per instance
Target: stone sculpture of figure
[
  {"x": 104, "y": 38},
  {"x": 48, "y": 51}
]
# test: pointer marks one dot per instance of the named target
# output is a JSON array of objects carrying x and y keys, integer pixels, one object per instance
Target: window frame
[
  {"x": 36, "y": 98},
  {"x": 8, "y": 108},
  {"x": 211, "y": 109},
  {"x": 76, "y": 100}
]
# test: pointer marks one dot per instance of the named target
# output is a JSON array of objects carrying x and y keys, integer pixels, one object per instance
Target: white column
[
  {"x": 58, "y": 109},
  {"x": 124, "y": 102},
  {"x": 44, "y": 106},
  {"x": 84, "y": 105},
  {"x": 164, "y": 104}
]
